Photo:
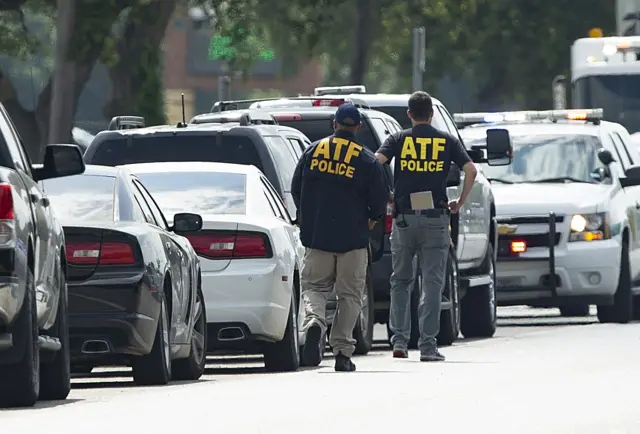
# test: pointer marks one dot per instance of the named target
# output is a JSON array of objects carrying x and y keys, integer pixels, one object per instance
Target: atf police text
[
  {"x": 338, "y": 161},
  {"x": 413, "y": 157}
]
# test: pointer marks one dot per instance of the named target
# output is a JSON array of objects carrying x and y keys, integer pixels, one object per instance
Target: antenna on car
[{"x": 182, "y": 124}]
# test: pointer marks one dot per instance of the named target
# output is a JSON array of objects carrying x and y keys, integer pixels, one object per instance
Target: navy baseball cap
[{"x": 348, "y": 115}]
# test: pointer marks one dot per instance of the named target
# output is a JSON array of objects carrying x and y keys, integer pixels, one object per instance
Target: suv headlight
[{"x": 589, "y": 227}]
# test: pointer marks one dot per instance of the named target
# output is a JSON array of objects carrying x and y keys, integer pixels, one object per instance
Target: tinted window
[
  {"x": 318, "y": 129},
  {"x": 181, "y": 147},
  {"x": 85, "y": 198},
  {"x": 399, "y": 113},
  {"x": 382, "y": 130},
  {"x": 197, "y": 192},
  {"x": 547, "y": 157},
  {"x": 285, "y": 160}
]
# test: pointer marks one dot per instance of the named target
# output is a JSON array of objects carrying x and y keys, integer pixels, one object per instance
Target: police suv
[{"x": 568, "y": 211}]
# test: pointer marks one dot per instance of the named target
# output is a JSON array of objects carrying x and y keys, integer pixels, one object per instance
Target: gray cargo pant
[
  {"x": 428, "y": 237},
  {"x": 320, "y": 272}
]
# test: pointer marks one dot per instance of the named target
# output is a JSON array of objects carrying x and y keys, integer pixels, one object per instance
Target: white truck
[{"x": 605, "y": 73}]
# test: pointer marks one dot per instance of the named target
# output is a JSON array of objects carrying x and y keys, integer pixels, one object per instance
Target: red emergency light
[{"x": 327, "y": 102}]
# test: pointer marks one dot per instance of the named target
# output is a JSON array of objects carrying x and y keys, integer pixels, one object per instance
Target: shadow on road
[
  {"x": 125, "y": 384},
  {"x": 43, "y": 404}
]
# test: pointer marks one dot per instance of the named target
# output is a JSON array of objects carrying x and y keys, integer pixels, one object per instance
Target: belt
[{"x": 436, "y": 212}]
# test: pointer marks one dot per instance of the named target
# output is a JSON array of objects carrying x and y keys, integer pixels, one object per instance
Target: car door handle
[{"x": 35, "y": 198}]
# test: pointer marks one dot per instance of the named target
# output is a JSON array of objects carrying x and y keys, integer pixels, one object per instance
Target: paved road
[{"x": 541, "y": 373}]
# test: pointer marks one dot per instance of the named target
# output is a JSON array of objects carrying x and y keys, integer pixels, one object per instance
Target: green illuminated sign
[{"x": 220, "y": 49}]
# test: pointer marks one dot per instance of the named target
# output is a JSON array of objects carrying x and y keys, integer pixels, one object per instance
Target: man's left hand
[{"x": 372, "y": 223}]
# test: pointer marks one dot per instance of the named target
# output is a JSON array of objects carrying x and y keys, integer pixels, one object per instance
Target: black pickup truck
[{"x": 34, "y": 352}]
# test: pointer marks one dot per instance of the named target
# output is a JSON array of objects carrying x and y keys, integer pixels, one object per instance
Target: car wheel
[
  {"x": 20, "y": 381},
  {"x": 193, "y": 366},
  {"x": 363, "y": 331},
  {"x": 284, "y": 356},
  {"x": 55, "y": 375},
  {"x": 450, "y": 318},
  {"x": 622, "y": 309},
  {"x": 574, "y": 310},
  {"x": 478, "y": 308},
  {"x": 155, "y": 368}
]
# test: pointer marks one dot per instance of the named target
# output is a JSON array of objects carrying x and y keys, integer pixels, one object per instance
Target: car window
[
  {"x": 621, "y": 142},
  {"x": 382, "y": 130},
  {"x": 621, "y": 151},
  {"x": 297, "y": 143},
  {"x": 399, "y": 113},
  {"x": 547, "y": 157},
  {"x": 318, "y": 129},
  {"x": 273, "y": 200},
  {"x": 197, "y": 192},
  {"x": 150, "y": 148},
  {"x": 438, "y": 121},
  {"x": 82, "y": 198},
  {"x": 157, "y": 214},
  {"x": 285, "y": 160},
  {"x": 451, "y": 127},
  {"x": 146, "y": 211},
  {"x": 13, "y": 144},
  {"x": 283, "y": 213}
]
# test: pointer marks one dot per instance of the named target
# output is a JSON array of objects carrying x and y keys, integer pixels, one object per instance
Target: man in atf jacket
[{"x": 340, "y": 190}]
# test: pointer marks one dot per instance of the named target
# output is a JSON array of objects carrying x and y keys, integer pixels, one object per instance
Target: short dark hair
[{"x": 420, "y": 106}]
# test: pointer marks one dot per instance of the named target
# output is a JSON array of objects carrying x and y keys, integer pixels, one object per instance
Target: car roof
[
  {"x": 190, "y": 128},
  {"x": 323, "y": 112},
  {"x": 190, "y": 166},
  {"x": 96, "y": 170},
  {"x": 374, "y": 100},
  {"x": 533, "y": 128}
]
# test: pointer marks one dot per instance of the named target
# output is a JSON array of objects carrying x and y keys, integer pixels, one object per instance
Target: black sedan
[{"x": 134, "y": 284}]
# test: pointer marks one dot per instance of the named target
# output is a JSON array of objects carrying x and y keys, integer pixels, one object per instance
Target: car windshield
[
  {"x": 203, "y": 193},
  {"x": 547, "y": 158},
  {"x": 81, "y": 198},
  {"x": 318, "y": 129},
  {"x": 181, "y": 147}
]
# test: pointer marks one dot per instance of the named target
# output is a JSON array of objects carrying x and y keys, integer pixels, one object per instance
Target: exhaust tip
[
  {"x": 96, "y": 347},
  {"x": 231, "y": 334}
]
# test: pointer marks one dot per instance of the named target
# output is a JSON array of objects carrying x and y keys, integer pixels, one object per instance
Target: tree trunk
[
  {"x": 364, "y": 22},
  {"x": 137, "y": 86}
]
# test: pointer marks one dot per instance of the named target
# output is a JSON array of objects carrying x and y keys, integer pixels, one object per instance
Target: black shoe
[
  {"x": 432, "y": 357},
  {"x": 313, "y": 347},
  {"x": 344, "y": 364},
  {"x": 400, "y": 353}
]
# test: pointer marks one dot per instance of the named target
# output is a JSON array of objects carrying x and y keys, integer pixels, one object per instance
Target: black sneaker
[
  {"x": 313, "y": 347},
  {"x": 432, "y": 357},
  {"x": 400, "y": 353},
  {"x": 344, "y": 364}
]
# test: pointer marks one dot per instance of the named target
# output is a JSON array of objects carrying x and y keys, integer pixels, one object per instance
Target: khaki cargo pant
[{"x": 321, "y": 272}]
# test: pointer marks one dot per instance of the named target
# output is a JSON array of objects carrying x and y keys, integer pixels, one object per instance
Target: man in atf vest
[
  {"x": 340, "y": 190},
  {"x": 423, "y": 156}
]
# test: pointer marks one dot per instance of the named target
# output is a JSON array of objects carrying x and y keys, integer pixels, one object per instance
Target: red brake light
[
  {"x": 229, "y": 246},
  {"x": 327, "y": 102},
  {"x": 287, "y": 117},
  {"x": 108, "y": 253},
  {"x": 6, "y": 202},
  {"x": 388, "y": 219}
]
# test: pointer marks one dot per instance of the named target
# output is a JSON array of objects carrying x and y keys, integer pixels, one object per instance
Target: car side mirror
[
  {"x": 186, "y": 222},
  {"x": 600, "y": 174},
  {"x": 499, "y": 148},
  {"x": 453, "y": 178},
  {"x": 632, "y": 178},
  {"x": 605, "y": 156},
  {"x": 59, "y": 161}
]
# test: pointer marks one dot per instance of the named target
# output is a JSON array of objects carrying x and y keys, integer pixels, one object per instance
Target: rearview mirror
[
  {"x": 632, "y": 178},
  {"x": 499, "y": 148},
  {"x": 605, "y": 156},
  {"x": 186, "y": 222},
  {"x": 59, "y": 161},
  {"x": 453, "y": 178}
]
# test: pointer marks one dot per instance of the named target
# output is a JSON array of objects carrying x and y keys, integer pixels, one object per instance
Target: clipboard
[{"x": 421, "y": 200}]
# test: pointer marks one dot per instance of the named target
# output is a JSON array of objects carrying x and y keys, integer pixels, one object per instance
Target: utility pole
[
  {"x": 224, "y": 88},
  {"x": 62, "y": 92},
  {"x": 419, "y": 52}
]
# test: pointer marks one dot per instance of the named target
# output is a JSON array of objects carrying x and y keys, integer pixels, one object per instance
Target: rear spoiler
[{"x": 222, "y": 106}]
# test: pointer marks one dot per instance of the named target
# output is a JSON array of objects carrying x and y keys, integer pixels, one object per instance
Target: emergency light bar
[
  {"x": 339, "y": 90},
  {"x": 244, "y": 117},
  {"x": 465, "y": 119},
  {"x": 623, "y": 45},
  {"x": 126, "y": 123}
]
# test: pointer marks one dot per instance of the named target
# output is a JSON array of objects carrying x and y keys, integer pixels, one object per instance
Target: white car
[
  {"x": 249, "y": 251},
  {"x": 568, "y": 211}
]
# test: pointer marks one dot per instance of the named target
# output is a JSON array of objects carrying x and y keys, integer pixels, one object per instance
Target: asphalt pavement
[{"x": 540, "y": 374}]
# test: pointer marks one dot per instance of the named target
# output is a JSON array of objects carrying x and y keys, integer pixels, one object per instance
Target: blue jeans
[{"x": 429, "y": 238}]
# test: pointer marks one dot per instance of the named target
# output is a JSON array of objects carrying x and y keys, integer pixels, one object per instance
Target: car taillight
[
  {"x": 287, "y": 117},
  {"x": 230, "y": 246},
  {"x": 107, "y": 253},
  {"x": 327, "y": 102},
  {"x": 388, "y": 219},
  {"x": 6, "y": 202}
]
